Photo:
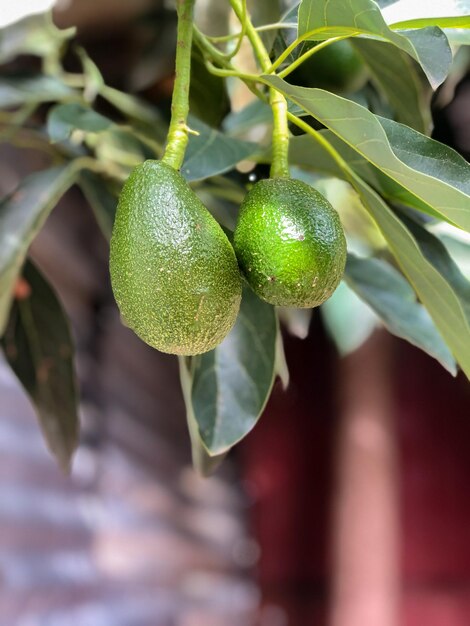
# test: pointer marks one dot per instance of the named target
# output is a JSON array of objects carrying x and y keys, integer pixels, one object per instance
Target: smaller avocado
[
  {"x": 338, "y": 67},
  {"x": 290, "y": 243}
]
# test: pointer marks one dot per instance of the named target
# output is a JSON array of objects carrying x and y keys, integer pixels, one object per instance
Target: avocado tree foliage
[{"x": 360, "y": 138}]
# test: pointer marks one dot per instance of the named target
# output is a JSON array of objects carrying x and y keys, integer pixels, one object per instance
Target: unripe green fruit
[
  {"x": 174, "y": 272},
  {"x": 290, "y": 243},
  {"x": 338, "y": 67}
]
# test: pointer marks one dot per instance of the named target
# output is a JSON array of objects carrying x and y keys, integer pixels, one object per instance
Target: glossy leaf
[
  {"x": 396, "y": 77},
  {"x": 436, "y": 280},
  {"x": 202, "y": 461},
  {"x": 211, "y": 152},
  {"x": 431, "y": 171},
  {"x": 392, "y": 298},
  {"x": 65, "y": 118},
  {"x": 39, "y": 348},
  {"x": 231, "y": 384},
  {"x": 333, "y": 18},
  {"x": 22, "y": 215}
]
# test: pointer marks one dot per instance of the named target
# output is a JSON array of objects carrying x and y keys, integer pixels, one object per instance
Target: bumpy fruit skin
[
  {"x": 173, "y": 271},
  {"x": 290, "y": 243}
]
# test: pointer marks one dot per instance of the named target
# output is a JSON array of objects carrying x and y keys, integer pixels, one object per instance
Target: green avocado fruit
[
  {"x": 338, "y": 67},
  {"x": 290, "y": 243},
  {"x": 173, "y": 271}
]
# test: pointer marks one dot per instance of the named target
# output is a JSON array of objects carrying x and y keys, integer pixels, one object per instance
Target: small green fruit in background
[
  {"x": 337, "y": 67},
  {"x": 173, "y": 271},
  {"x": 290, "y": 243}
]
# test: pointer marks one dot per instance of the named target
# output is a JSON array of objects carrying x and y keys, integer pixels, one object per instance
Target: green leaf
[
  {"x": 101, "y": 198},
  {"x": 18, "y": 90},
  {"x": 34, "y": 35},
  {"x": 39, "y": 348},
  {"x": 285, "y": 36},
  {"x": 231, "y": 384},
  {"x": 445, "y": 13},
  {"x": 121, "y": 146},
  {"x": 22, "y": 215},
  {"x": 333, "y": 18},
  {"x": 431, "y": 171},
  {"x": 135, "y": 108},
  {"x": 211, "y": 152},
  {"x": 394, "y": 301},
  {"x": 257, "y": 112},
  {"x": 202, "y": 461},
  {"x": 348, "y": 320},
  {"x": 65, "y": 118},
  {"x": 296, "y": 321},
  {"x": 396, "y": 77},
  {"x": 211, "y": 110},
  {"x": 436, "y": 280},
  {"x": 281, "y": 368}
]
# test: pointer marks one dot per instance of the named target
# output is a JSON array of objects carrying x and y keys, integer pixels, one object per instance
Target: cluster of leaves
[{"x": 395, "y": 189}]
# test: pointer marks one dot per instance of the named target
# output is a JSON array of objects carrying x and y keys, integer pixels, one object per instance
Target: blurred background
[{"x": 347, "y": 505}]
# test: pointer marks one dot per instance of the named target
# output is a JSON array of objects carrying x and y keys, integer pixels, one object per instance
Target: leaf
[
  {"x": 121, "y": 146},
  {"x": 39, "y": 348},
  {"x": 94, "y": 81},
  {"x": 19, "y": 90},
  {"x": 432, "y": 172},
  {"x": 396, "y": 78},
  {"x": 232, "y": 383},
  {"x": 348, "y": 320},
  {"x": 211, "y": 152},
  {"x": 296, "y": 321},
  {"x": 266, "y": 12},
  {"x": 65, "y": 118},
  {"x": 281, "y": 368},
  {"x": 211, "y": 110},
  {"x": 436, "y": 280},
  {"x": 101, "y": 199},
  {"x": 333, "y": 18},
  {"x": 285, "y": 36},
  {"x": 34, "y": 35},
  {"x": 202, "y": 461},
  {"x": 135, "y": 108},
  {"x": 391, "y": 297},
  {"x": 256, "y": 112},
  {"x": 445, "y": 13},
  {"x": 22, "y": 215}
]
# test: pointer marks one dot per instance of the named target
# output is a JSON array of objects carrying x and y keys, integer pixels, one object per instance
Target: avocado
[
  {"x": 290, "y": 243},
  {"x": 338, "y": 67},
  {"x": 173, "y": 271}
]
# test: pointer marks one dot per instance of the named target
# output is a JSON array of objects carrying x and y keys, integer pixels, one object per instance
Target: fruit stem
[
  {"x": 177, "y": 138},
  {"x": 280, "y": 158}
]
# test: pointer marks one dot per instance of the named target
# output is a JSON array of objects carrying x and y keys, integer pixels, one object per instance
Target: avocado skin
[
  {"x": 173, "y": 271},
  {"x": 290, "y": 243}
]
